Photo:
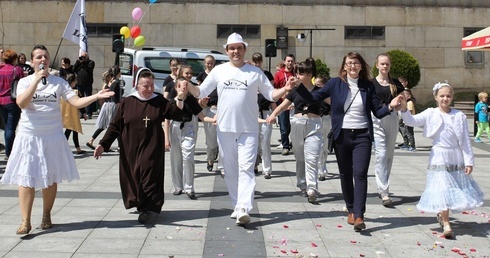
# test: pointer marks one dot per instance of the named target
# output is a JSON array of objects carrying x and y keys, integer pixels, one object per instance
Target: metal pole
[{"x": 311, "y": 43}]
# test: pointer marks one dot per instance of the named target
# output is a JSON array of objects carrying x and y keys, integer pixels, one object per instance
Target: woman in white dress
[
  {"x": 450, "y": 185},
  {"x": 41, "y": 156}
]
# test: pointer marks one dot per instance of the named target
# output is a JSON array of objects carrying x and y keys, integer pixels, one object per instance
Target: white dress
[
  {"x": 41, "y": 155},
  {"x": 447, "y": 185}
]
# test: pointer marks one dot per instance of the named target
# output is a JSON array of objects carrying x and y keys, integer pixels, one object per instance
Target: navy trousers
[{"x": 353, "y": 152}]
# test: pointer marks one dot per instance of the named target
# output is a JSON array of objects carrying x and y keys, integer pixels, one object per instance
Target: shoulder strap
[{"x": 351, "y": 102}]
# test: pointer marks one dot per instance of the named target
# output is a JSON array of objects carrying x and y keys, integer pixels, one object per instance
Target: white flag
[{"x": 76, "y": 28}]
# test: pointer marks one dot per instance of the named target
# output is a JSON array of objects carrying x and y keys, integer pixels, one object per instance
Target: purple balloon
[{"x": 137, "y": 13}]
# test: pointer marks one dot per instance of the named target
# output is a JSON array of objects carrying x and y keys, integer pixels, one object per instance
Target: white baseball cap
[{"x": 235, "y": 38}]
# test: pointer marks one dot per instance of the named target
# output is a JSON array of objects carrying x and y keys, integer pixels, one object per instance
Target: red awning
[{"x": 479, "y": 40}]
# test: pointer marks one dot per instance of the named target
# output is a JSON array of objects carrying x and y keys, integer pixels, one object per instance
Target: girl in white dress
[
  {"x": 41, "y": 156},
  {"x": 450, "y": 185}
]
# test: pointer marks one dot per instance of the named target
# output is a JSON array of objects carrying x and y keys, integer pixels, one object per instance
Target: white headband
[{"x": 439, "y": 85}]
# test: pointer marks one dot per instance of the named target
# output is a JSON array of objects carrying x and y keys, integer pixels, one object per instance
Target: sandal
[
  {"x": 46, "y": 222},
  {"x": 25, "y": 227},
  {"x": 439, "y": 219},
  {"x": 448, "y": 232}
]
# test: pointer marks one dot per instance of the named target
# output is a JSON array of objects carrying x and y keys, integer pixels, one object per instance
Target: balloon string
[{"x": 147, "y": 7}]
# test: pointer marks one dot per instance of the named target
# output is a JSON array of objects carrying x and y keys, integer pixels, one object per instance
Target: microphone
[{"x": 41, "y": 67}]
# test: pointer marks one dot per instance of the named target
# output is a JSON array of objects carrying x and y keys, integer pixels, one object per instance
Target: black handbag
[
  {"x": 330, "y": 140},
  {"x": 13, "y": 87}
]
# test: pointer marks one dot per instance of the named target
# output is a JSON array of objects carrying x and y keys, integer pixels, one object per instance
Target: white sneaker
[
  {"x": 243, "y": 218},
  {"x": 234, "y": 214},
  {"x": 279, "y": 147}
]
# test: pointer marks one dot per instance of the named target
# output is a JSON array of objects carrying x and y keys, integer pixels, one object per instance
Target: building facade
[{"x": 428, "y": 29}]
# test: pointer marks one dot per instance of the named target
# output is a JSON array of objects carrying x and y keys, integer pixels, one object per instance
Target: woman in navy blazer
[{"x": 353, "y": 99}]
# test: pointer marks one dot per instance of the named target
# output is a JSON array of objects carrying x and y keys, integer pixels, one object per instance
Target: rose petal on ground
[
  {"x": 221, "y": 255},
  {"x": 295, "y": 251},
  {"x": 284, "y": 241},
  {"x": 472, "y": 249},
  {"x": 284, "y": 251},
  {"x": 314, "y": 245},
  {"x": 418, "y": 243},
  {"x": 455, "y": 249},
  {"x": 339, "y": 226},
  {"x": 275, "y": 246},
  {"x": 285, "y": 226},
  {"x": 353, "y": 241},
  {"x": 362, "y": 255},
  {"x": 318, "y": 225},
  {"x": 465, "y": 212},
  {"x": 313, "y": 255}
]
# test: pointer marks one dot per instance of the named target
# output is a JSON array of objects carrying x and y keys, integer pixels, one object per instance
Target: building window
[
  {"x": 473, "y": 59},
  {"x": 364, "y": 32},
  {"x": 104, "y": 30},
  {"x": 249, "y": 31}
]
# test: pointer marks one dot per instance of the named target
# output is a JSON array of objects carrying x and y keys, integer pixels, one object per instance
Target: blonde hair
[
  {"x": 482, "y": 95},
  {"x": 390, "y": 80}
]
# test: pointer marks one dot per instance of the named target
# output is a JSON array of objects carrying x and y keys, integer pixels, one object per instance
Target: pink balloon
[
  {"x": 135, "y": 31},
  {"x": 137, "y": 13}
]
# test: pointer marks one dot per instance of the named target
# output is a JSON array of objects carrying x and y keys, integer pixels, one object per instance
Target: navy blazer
[{"x": 337, "y": 90}]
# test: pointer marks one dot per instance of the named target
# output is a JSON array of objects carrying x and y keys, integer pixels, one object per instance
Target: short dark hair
[
  {"x": 42, "y": 47},
  {"x": 66, "y": 60},
  {"x": 257, "y": 57},
  {"x": 71, "y": 78}
]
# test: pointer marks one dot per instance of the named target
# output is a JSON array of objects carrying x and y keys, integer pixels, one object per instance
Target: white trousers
[
  {"x": 322, "y": 161},
  {"x": 182, "y": 149},
  {"x": 239, "y": 151},
  {"x": 307, "y": 139},
  {"x": 385, "y": 132},
  {"x": 265, "y": 143},
  {"x": 211, "y": 137}
]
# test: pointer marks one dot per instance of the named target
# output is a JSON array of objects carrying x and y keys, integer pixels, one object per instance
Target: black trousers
[{"x": 353, "y": 153}]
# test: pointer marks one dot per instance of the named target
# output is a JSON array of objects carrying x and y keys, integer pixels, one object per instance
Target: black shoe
[
  {"x": 321, "y": 178},
  {"x": 90, "y": 146},
  {"x": 387, "y": 203},
  {"x": 267, "y": 176},
  {"x": 256, "y": 171},
  {"x": 303, "y": 193},
  {"x": 191, "y": 195},
  {"x": 210, "y": 167},
  {"x": 143, "y": 217},
  {"x": 177, "y": 192},
  {"x": 81, "y": 152}
]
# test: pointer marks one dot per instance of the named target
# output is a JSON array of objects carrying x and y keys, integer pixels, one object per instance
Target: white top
[
  {"x": 237, "y": 96},
  {"x": 43, "y": 115},
  {"x": 436, "y": 123},
  {"x": 355, "y": 117}
]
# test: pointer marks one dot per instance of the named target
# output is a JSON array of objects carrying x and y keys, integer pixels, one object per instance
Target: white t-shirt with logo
[
  {"x": 43, "y": 114},
  {"x": 237, "y": 89}
]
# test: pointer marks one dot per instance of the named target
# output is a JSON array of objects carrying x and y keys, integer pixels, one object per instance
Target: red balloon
[{"x": 135, "y": 31}]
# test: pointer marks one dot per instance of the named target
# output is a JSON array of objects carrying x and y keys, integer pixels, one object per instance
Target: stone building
[{"x": 429, "y": 29}]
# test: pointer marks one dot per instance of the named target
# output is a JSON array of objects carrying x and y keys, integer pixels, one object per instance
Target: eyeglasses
[{"x": 349, "y": 64}]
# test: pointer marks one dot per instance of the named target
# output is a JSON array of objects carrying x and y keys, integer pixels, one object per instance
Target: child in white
[{"x": 449, "y": 183}]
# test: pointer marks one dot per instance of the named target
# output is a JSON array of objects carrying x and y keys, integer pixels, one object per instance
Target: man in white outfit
[{"x": 237, "y": 84}]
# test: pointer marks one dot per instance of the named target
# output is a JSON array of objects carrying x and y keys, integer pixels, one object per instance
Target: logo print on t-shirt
[{"x": 236, "y": 84}]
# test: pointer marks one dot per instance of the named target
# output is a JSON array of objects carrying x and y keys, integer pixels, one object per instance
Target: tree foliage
[
  {"x": 322, "y": 69},
  {"x": 403, "y": 64}
]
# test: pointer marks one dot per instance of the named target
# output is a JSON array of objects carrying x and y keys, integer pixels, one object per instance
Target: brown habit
[{"x": 141, "y": 160}]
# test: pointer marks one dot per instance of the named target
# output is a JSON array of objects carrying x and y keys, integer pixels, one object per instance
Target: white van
[{"x": 157, "y": 60}]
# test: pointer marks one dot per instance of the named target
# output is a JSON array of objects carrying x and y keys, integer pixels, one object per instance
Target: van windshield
[{"x": 161, "y": 64}]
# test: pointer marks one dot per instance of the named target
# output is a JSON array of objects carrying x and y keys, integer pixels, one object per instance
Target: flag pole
[{"x": 55, "y": 55}]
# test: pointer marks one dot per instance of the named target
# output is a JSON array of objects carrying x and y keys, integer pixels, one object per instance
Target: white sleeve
[
  {"x": 208, "y": 85},
  {"x": 415, "y": 120}
]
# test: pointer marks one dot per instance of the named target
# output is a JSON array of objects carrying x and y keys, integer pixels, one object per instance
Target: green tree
[
  {"x": 322, "y": 69},
  {"x": 403, "y": 64}
]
